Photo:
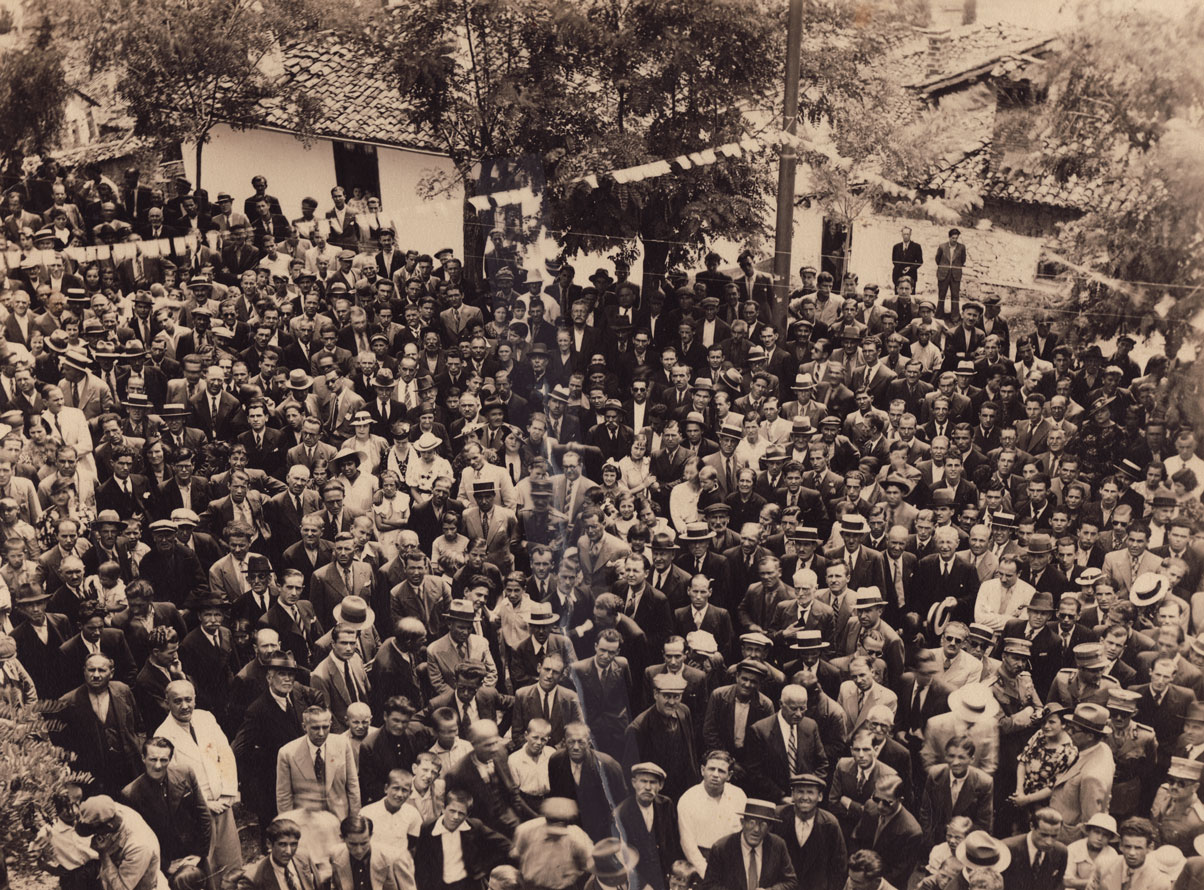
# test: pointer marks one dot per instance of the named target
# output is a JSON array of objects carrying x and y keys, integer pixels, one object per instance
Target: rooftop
[{"x": 968, "y": 52}]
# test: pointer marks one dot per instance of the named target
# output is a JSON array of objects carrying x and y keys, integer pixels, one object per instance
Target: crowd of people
[{"x": 410, "y": 578}]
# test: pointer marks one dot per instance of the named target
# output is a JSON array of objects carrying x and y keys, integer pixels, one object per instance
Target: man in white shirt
[
  {"x": 1004, "y": 597},
  {"x": 394, "y": 818},
  {"x": 529, "y": 764},
  {"x": 1092, "y": 854},
  {"x": 709, "y": 810}
]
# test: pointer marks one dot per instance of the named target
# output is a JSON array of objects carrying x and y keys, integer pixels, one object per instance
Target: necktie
[
  {"x": 75, "y": 394},
  {"x": 547, "y": 705},
  {"x": 192, "y": 732},
  {"x": 754, "y": 873},
  {"x": 792, "y": 749},
  {"x": 1127, "y": 882},
  {"x": 320, "y": 767},
  {"x": 1039, "y": 861},
  {"x": 288, "y": 875},
  {"x": 352, "y": 691}
]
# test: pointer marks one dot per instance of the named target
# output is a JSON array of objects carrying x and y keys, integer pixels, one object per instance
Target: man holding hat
[
  {"x": 752, "y": 859},
  {"x": 1086, "y": 787}
]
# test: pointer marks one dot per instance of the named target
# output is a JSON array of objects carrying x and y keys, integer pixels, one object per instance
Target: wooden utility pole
[{"x": 786, "y": 169}]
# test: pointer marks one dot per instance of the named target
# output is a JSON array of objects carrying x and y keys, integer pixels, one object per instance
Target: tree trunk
[
  {"x": 474, "y": 225},
  {"x": 656, "y": 255},
  {"x": 200, "y": 147}
]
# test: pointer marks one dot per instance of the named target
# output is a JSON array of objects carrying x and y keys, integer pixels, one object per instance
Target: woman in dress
[
  {"x": 154, "y": 459},
  {"x": 636, "y": 468},
  {"x": 1048, "y": 754},
  {"x": 390, "y": 513}
]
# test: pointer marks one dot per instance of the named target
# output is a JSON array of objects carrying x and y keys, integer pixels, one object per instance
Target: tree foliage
[
  {"x": 34, "y": 771},
  {"x": 33, "y": 95},
  {"x": 1125, "y": 113},
  {"x": 184, "y": 66},
  {"x": 542, "y": 93}
]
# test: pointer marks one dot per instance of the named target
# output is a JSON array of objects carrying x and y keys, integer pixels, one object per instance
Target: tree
[
  {"x": 34, "y": 771},
  {"x": 1123, "y": 114},
  {"x": 524, "y": 92},
  {"x": 33, "y": 94},
  {"x": 185, "y": 66}
]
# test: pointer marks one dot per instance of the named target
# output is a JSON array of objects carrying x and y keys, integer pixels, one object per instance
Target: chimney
[{"x": 939, "y": 40}]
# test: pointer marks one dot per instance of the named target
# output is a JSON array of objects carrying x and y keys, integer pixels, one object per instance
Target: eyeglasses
[
  {"x": 949, "y": 639},
  {"x": 1180, "y": 783}
]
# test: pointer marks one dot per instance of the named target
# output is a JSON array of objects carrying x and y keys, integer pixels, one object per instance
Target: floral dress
[{"x": 1043, "y": 765}]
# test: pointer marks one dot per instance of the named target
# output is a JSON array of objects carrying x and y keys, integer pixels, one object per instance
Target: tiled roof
[
  {"x": 969, "y": 49},
  {"x": 357, "y": 94}
]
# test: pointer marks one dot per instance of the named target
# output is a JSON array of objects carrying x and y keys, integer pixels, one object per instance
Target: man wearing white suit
[
  {"x": 69, "y": 426},
  {"x": 318, "y": 771},
  {"x": 1125, "y": 565},
  {"x": 201, "y": 746},
  {"x": 973, "y": 711},
  {"x": 862, "y": 693}
]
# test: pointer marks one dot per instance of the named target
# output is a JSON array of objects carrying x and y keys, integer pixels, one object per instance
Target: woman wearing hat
[{"x": 372, "y": 447}]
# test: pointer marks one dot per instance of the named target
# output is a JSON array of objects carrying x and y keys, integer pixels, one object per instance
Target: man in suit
[
  {"x": 590, "y": 778},
  {"x": 921, "y": 697},
  {"x": 950, "y": 262},
  {"x": 456, "y": 851},
  {"x": 207, "y": 654},
  {"x": 1124, "y": 566},
  {"x": 39, "y": 637},
  {"x": 215, "y": 411},
  {"x": 861, "y": 693},
  {"x": 656, "y": 840},
  {"x": 782, "y": 745},
  {"x": 283, "y": 868},
  {"x": 887, "y": 828},
  {"x": 606, "y": 688},
  {"x": 291, "y": 617},
  {"x": 545, "y": 699},
  {"x": 94, "y": 637},
  {"x": 319, "y": 770},
  {"x": 387, "y": 867},
  {"x": 1163, "y": 705},
  {"x": 866, "y": 568},
  {"x": 1038, "y": 857},
  {"x": 340, "y": 676},
  {"x": 342, "y": 577},
  {"x": 906, "y": 258},
  {"x": 942, "y": 579},
  {"x": 101, "y": 725},
  {"x": 955, "y": 788},
  {"x": 754, "y": 857},
  {"x": 485, "y": 775},
  {"x": 720, "y": 728},
  {"x": 170, "y": 800},
  {"x": 700, "y": 614},
  {"x": 854, "y": 780},
  {"x": 813, "y": 837},
  {"x": 1084, "y": 788},
  {"x": 1134, "y": 869}
]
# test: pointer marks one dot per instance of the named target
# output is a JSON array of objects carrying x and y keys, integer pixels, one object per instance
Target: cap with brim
[
  {"x": 966, "y": 368},
  {"x": 283, "y": 661},
  {"x": 805, "y": 780},
  {"x": 541, "y": 614},
  {"x": 8, "y": 647},
  {"x": 760, "y": 809},
  {"x": 76, "y": 358},
  {"x": 541, "y": 487},
  {"x": 982, "y": 632},
  {"x": 801, "y": 425},
  {"x": 1123, "y": 700},
  {"x": 1000, "y": 519},
  {"x": 902, "y": 482},
  {"x": 355, "y": 612},
  {"x": 206, "y": 601},
  {"x": 162, "y": 525},
  {"x": 664, "y": 541},
  {"x": 647, "y": 768},
  {"x": 383, "y": 378},
  {"x": 754, "y": 665},
  {"x": 1197, "y": 646},
  {"x": 559, "y": 393},
  {"x": 806, "y": 533},
  {"x": 666, "y": 682},
  {"x": 31, "y": 595},
  {"x": 732, "y": 379},
  {"x": 1090, "y": 717},
  {"x": 362, "y": 418},
  {"x": 756, "y": 354},
  {"x": 980, "y": 850},
  {"x": 702, "y": 642},
  {"x": 106, "y": 517},
  {"x": 1149, "y": 588},
  {"x": 1090, "y": 656},
  {"x": 803, "y": 381},
  {"x": 756, "y": 638},
  {"x": 1129, "y": 468},
  {"x": 185, "y": 517},
  {"x": 1088, "y": 577},
  {"x": 973, "y": 703},
  {"x": 483, "y": 488},
  {"x": 95, "y": 811},
  {"x": 868, "y": 598},
  {"x": 1164, "y": 497},
  {"x": 774, "y": 454},
  {"x": 941, "y": 497},
  {"x": 732, "y": 427},
  {"x": 716, "y": 508},
  {"x": 1041, "y": 601},
  {"x": 1018, "y": 646},
  {"x": 696, "y": 531},
  {"x": 829, "y": 420}
]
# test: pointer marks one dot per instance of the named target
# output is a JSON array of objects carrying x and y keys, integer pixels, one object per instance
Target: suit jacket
[
  {"x": 1020, "y": 874},
  {"x": 845, "y": 784},
  {"x": 41, "y": 660},
  {"x": 502, "y": 534},
  {"x": 609, "y": 708},
  {"x": 328, "y": 678},
  {"x": 528, "y": 704},
  {"x": 1148, "y": 877},
  {"x": 598, "y": 573},
  {"x": 111, "y": 753},
  {"x": 949, "y": 261},
  {"x": 936, "y": 701},
  {"x": 726, "y": 869},
  {"x": 327, "y": 588},
  {"x": 297, "y": 785},
  {"x": 387, "y": 869},
  {"x": 1119, "y": 567},
  {"x": 264, "y": 731},
  {"x": 659, "y": 848},
  {"x": 179, "y": 818},
  {"x": 868, "y": 571},
  {"x": 261, "y": 876},
  {"x": 898, "y": 842},
  {"x": 931, "y": 586},
  {"x": 1084, "y": 789},
  {"x": 823, "y": 858},
  {"x": 211, "y": 667},
  {"x": 498, "y": 804},
  {"x": 73, "y": 654},
  {"x": 766, "y": 761},
  {"x": 906, "y": 259},
  {"x": 602, "y": 781},
  {"x": 481, "y": 847},
  {"x": 974, "y": 800},
  {"x": 942, "y": 727},
  {"x": 718, "y": 730},
  {"x": 876, "y": 695},
  {"x": 297, "y": 638},
  {"x": 715, "y": 621}
]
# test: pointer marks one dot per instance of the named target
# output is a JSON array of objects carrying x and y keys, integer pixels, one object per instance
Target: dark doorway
[{"x": 356, "y": 166}]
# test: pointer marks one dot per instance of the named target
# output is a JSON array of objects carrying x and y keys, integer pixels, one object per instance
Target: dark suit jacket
[
  {"x": 502, "y": 807},
  {"x": 907, "y": 257},
  {"x": 1166, "y": 721},
  {"x": 265, "y": 729},
  {"x": 935, "y": 702},
  {"x": 931, "y": 586},
  {"x": 381, "y": 752},
  {"x": 73, "y": 654},
  {"x": 823, "y": 858},
  {"x": 180, "y": 819},
  {"x": 899, "y": 843},
  {"x": 211, "y": 667},
  {"x": 528, "y": 704},
  {"x": 765, "y": 757},
  {"x": 717, "y": 728},
  {"x": 111, "y": 766},
  {"x": 726, "y": 871},
  {"x": 974, "y": 801},
  {"x": 602, "y": 782},
  {"x": 41, "y": 660},
  {"x": 659, "y": 848},
  {"x": 715, "y": 621},
  {"x": 1020, "y": 875},
  {"x": 482, "y": 848}
]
